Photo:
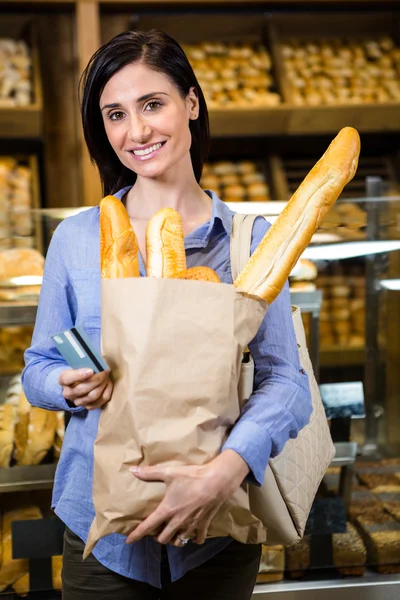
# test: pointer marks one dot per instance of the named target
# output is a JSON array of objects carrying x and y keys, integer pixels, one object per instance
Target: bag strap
[{"x": 242, "y": 227}]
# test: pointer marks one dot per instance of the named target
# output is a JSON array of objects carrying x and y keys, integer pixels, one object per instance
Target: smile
[{"x": 145, "y": 152}]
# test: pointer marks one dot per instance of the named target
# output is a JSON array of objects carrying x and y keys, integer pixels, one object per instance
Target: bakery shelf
[
  {"x": 35, "y": 477},
  {"x": 371, "y": 586},
  {"x": 23, "y": 121},
  {"x": 17, "y": 313},
  {"x": 337, "y": 356}
]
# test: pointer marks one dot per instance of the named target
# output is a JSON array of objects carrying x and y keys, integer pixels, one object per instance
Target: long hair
[{"x": 160, "y": 52}]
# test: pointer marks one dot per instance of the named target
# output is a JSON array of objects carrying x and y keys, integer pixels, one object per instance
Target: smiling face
[{"x": 147, "y": 120}]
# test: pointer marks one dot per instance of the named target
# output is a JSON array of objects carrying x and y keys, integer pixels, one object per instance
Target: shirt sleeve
[
  {"x": 280, "y": 405},
  {"x": 57, "y": 306}
]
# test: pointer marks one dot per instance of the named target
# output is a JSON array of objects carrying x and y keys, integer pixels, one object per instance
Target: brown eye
[
  {"x": 116, "y": 116},
  {"x": 153, "y": 105}
]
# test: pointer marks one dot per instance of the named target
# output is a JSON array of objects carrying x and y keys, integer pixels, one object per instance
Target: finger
[
  {"x": 148, "y": 526},
  {"x": 170, "y": 531},
  {"x": 97, "y": 382},
  {"x": 108, "y": 391},
  {"x": 182, "y": 535},
  {"x": 71, "y": 376},
  {"x": 94, "y": 397},
  {"x": 153, "y": 473},
  {"x": 203, "y": 527}
]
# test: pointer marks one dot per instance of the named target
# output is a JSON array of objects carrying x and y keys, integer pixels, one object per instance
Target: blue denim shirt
[{"x": 279, "y": 407}]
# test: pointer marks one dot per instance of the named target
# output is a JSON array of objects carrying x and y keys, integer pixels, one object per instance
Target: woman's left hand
[{"x": 192, "y": 498}]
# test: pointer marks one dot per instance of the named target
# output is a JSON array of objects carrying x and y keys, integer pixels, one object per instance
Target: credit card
[{"x": 77, "y": 350}]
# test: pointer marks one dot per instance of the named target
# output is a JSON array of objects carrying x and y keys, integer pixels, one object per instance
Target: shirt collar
[{"x": 221, "y": 215}]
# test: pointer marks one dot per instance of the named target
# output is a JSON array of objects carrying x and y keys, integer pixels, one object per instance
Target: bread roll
[
  {"x": 198, "y": 274},
  {"x": 34, "y": 432},
  {"x": 268, "y": 268},
  {"x": 165, "y": 246},
  {"x": 119, "y": 248},
  {"x": 19, "y": 262}
]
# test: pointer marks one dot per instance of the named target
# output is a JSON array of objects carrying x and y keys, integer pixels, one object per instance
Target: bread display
[
  {"x": 27, "y": 433},
  {"x": 242, "y": 181},
  {"x": 268, "y": 268},
  {"x": 119, "y": 248},
  {"x": 13, "y": 569},
  {"x": 165, "y": 248},
  {"x": 8, "y": 418},
  {"x": 342, "y": 316},
  {"x": 272, "y": 564},
  {"x": 348, "y": 550},
  {"x": 381, "y": 535},
  {"x": 35, "y": 431},
  {"x": 13, "y": 343},
  {"x": 16, "y": 200},
  {"x": 389, "y": 496},
  {"x": 15, "y": 80},
  {"x": 233, "y": 75},
  {"x": 338, "y": 71},
  {"x": 22, "y": 585}
]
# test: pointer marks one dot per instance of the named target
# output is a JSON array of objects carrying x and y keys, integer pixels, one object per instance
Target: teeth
[{"x": 147, "y": 150}]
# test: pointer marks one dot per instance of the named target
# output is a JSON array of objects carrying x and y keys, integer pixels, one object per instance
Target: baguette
[
  {"x": 266, "y": 271},
  {"x": 119, "y": 248},
  {"x": 198, "y": 274},
  {"x": 165, "y": 246}
]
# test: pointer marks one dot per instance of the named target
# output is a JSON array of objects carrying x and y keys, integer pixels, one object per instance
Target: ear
[{"x": 192, "y": 103}]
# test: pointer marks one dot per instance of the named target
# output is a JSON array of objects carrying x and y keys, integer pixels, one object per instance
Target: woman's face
[{"x": 147, "y": 120}]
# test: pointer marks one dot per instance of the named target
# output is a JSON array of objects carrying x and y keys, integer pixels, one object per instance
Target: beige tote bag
[{"x": 292, "y": 478}]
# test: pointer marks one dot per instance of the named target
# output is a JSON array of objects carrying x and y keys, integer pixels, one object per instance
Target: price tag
[{"x": 343, "y": 399}]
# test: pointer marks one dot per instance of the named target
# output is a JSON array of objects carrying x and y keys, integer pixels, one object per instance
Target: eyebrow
[{"x": 139, "y": 100}]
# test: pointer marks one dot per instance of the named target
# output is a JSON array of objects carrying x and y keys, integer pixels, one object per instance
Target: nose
[{"x": 139, "y": 130}]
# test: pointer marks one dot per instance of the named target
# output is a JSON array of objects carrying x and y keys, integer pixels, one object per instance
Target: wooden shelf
[
  {"x": 337, "y": 356},
  {"x": 295, "y": 120}
]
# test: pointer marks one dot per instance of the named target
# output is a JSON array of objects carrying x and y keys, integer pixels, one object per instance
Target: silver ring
[{"x": 183, "y": 540}]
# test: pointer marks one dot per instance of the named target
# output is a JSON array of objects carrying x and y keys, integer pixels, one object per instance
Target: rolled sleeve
[{"x": 43, "y": 362}]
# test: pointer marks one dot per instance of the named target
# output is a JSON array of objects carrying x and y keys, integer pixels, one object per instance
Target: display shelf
[
  {"x": 17, "y": 313},
  {"x": 21, "y": 479},
  {"x": 23, "y": 121},
  {"x": 338, "y": 356},
  {"x": 370, "y": 587}
]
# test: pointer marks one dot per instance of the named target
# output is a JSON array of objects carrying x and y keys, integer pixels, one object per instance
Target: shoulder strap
[{"x": 242, "y": 227}]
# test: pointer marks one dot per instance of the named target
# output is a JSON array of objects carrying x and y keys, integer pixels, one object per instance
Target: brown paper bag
[{"x": 174, "y": 348}]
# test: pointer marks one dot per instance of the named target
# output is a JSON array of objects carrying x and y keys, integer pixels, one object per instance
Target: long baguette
[
  {"x": 119, "y": 248},
  {"x": 165, "y": 247},
  {"x": 266, "y": 271}
]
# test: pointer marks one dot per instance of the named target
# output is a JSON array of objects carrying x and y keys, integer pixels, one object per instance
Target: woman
[{"x": 146, "y": 127}]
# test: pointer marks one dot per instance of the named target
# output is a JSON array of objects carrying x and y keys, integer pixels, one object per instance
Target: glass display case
[{"x": 350, "y": 300}]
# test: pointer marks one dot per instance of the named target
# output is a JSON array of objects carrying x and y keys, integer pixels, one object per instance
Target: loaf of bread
[
  {"x": 349, "y": 554},
  {"x": 268, "y": 268},
  {"x": 198, "y": 274},
  {"x": 34, "y": 432},
  {"x": 381, "y": 535},
  {"x": 119, "y": 248},
  {"x": 165, "y": 248},
  {"x": 8, "y": 417},
  {"x": 20, "y": 262},
  {"x": 13, "y": 569},
  {"x": 272, "y": 564}
]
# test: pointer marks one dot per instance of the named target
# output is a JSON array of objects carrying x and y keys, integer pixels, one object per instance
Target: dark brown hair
[{"x": 160, "y": 52}]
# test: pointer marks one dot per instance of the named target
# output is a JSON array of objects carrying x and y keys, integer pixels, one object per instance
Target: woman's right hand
[{"x": 83, "y": 387}]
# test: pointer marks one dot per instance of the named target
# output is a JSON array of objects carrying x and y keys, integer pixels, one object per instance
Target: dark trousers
[{"x": 230, "y": 575}]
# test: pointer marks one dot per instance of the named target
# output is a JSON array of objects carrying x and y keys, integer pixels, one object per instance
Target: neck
[{"x": 176, "y": 189}]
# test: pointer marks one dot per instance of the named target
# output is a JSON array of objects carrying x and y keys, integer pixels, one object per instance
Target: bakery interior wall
[{"x": 66, "y": 34}]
